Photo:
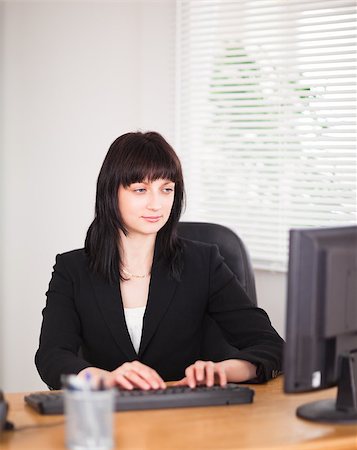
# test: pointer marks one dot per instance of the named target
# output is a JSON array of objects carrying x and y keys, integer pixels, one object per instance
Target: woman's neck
[{"x": 137, "y": 252}]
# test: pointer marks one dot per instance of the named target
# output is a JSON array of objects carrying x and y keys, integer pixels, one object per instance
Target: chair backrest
[{"x": 230, "y": 246}]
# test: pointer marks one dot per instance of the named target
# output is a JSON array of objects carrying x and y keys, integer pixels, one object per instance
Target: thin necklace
[{"x": 131, "y": 275}]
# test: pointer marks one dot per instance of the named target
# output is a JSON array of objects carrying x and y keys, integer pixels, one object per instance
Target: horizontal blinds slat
[
  {"x": 210, "y": 46},
  {"x": 248, "y": 22},
  {"x": 261, "y": 120},
  {"x": 278, "y": 145},
  {"x": 324, "y": 112},
  {"x": 314, "y": 218},
  {"x": 299, "y": 201},
  {"x": 253, "y": 89},
  {"x": 344, "y": 33},
  {"x": 250, "y": 100},
  {"x": 310, "y": 180},
  {"x": 275, "y": 28},
  {"x": 299, "y": 210},
  {"x": 262, "y": 9},
  {"x": 333, "y": 78}
]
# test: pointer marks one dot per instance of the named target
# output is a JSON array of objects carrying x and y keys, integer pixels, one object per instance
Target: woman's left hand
[{"x": 210, "y": 373}]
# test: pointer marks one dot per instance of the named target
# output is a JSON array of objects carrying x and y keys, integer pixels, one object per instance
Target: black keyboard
[{"x": 171, "y": 397}]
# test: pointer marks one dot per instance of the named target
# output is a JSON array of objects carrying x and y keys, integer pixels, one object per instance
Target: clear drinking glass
[{"x": 89, "y": 419}]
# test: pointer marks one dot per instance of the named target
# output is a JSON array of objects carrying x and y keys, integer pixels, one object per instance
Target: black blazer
[{"x": 206, "y": 315}]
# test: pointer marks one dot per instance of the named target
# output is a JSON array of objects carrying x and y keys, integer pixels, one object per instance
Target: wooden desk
[{"x": 268, "y": 423}]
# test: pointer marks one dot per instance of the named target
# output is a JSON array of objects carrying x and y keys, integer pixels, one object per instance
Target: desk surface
[{"x": 268, "y": 423}]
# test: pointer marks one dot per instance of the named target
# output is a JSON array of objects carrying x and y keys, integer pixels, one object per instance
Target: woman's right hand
[
  {"x": 97, "y": 376},
  {"x": 134, "y": 374},
  {"x": 129, "y": 375}
]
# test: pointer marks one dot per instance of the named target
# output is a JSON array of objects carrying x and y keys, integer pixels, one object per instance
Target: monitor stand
[{"x": 343, "y": 409}]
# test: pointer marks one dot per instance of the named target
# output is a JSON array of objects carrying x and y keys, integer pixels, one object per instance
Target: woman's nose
[{"x": 154, "y": 202}]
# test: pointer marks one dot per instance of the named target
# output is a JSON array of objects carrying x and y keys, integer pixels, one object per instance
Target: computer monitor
[{"x": 321, "y": 322}]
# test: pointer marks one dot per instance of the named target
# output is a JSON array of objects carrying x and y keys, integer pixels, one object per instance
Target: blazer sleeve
[
  {"x": 245, "y": 327},
  {"x": 60, "y": 339}
]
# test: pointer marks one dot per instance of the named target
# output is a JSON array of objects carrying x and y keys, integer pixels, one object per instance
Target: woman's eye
[
  {"x": 168, "y": 190},
  {"x": 140, "y": 190}
]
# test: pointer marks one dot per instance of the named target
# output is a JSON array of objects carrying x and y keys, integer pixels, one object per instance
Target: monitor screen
[{"x": 321, "y": 322}]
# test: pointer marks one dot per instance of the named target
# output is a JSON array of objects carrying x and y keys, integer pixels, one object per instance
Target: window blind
[{"x": 266, "y": 117}]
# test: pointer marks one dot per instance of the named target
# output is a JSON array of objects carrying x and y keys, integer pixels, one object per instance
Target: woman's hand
[
  {"x": 129, "y": 375},
  {"x": 97, "y": 376},
  {"x": 137, "y": 375},
  {"x": 210, "y": 373}
]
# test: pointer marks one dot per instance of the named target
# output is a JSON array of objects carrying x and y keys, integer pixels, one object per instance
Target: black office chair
[{"x": 230, "y": 246}]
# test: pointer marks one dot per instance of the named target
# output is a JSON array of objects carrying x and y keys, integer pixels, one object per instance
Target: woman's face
[{"x": 145, "y": 207}]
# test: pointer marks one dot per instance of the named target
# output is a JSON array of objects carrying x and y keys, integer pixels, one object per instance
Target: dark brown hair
[{"x": 132, "y": 158}]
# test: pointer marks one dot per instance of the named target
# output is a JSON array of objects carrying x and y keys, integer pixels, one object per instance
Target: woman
[{"x": 138, "y": 305}]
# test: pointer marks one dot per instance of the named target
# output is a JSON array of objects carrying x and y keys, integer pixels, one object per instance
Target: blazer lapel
[
  {"x": 161, "y": 292},
  {"x": 109, "y": 301}
]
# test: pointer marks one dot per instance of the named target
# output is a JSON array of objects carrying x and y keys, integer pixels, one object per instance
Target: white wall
[
  {"x": 1, "y": 188},
  {"x": 271, "y": 293},
  {"x": 75, "y": 75}
]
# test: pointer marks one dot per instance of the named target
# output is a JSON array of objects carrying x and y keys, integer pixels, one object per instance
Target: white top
[{"x": 134, "y": 322}]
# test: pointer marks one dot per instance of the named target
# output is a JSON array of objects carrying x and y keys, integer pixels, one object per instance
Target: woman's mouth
[{"x": 152, "y": 219}]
